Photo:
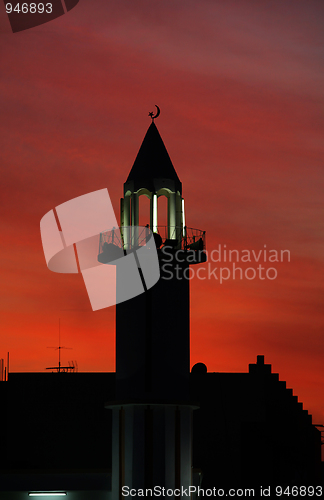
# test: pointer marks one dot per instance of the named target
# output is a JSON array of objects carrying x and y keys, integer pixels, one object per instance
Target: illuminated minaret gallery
[{"x": 152, "y": 414}]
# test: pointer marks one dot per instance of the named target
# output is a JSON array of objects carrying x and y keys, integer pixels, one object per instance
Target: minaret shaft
[{"x": 152, "y": 344}]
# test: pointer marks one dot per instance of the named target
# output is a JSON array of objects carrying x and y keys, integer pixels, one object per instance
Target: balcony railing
[{"x": 129, "y": 237}]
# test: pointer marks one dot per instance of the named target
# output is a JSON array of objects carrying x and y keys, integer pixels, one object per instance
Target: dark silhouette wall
[{"x": 249, "y": 430}]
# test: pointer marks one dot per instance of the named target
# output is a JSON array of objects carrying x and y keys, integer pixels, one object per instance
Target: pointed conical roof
[{"x": 152, "y": 162}]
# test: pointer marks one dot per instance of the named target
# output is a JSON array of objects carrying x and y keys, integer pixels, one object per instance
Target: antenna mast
[{"x": 60, "y": 368}]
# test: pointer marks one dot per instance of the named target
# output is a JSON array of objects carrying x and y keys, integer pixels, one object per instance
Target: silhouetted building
[
  {"x": 153, "y": 423},
  {"x": 251, "y": 430},
  {"x": 55, "y": 433}
]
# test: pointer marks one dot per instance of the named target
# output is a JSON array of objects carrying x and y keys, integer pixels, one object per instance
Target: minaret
[
  {"x": 152, "y": 411},
  {"x": 153, "y": 175}
]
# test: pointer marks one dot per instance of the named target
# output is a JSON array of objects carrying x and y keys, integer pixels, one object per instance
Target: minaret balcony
[{"x": 114, "y": 243}]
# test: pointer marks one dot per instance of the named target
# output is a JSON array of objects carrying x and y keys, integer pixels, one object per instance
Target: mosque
[{"x": 155, "y": 422}]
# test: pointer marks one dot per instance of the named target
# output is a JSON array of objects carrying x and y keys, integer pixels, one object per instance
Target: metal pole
[{"x": 59, "y": 349}]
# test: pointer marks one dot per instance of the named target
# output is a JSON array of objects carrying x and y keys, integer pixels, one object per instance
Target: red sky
[{"x": 240, "y": 86}]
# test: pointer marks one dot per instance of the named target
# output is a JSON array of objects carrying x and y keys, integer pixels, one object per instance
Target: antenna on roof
[
  {"x": 60, "y": 368},
  {"x": 4, "y": 370}
]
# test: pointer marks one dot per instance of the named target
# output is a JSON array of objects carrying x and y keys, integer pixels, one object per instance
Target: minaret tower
[{"x": 152, "y": 411}]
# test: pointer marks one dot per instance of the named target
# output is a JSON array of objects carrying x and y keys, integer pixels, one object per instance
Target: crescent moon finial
[{"x": 152, "y": 115}]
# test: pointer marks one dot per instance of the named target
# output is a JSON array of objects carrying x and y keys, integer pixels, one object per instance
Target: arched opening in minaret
[
  {"x": 162, "y": 218},
  {"x": 144, "y": 209}
]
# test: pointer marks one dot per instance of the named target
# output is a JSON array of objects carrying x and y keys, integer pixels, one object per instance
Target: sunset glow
[{"x": 240, "y": 87}]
